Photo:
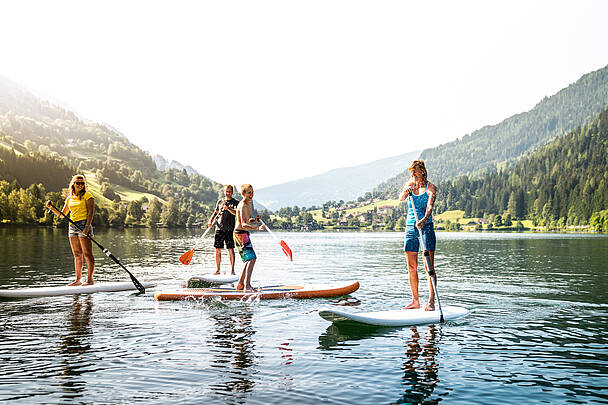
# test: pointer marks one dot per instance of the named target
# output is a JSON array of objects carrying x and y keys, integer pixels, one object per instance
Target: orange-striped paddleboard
[{"x": 264, "y": 293}]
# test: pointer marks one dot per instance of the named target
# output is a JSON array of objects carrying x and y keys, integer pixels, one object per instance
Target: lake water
[{"x": 537, "y": 332}]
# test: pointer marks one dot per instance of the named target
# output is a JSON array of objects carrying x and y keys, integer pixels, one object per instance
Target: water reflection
[
  {"x": 75, "y": 344},
  {"x": 420, "y": 367},
  {"x": 234, "y": 350}
]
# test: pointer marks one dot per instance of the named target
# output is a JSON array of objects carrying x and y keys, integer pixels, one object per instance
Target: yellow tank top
[{"x": 78, "y": 207}]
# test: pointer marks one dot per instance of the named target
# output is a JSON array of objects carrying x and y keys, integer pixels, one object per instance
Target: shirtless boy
[{"x": 241, "y": 236}]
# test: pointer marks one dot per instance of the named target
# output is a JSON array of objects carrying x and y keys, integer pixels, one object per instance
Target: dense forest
[
  {"x": 563, "y": 183},
  {"x": 498, "y": 146}
]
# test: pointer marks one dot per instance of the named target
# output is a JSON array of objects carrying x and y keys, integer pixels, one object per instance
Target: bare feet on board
[
  {"x": 430, "y": 306},
  {"x": 74, "y": 283},
  {"x": 412, "y": 305}
]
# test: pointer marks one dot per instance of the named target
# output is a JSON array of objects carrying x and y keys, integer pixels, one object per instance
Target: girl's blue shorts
[{"x": 412, "y": 238}]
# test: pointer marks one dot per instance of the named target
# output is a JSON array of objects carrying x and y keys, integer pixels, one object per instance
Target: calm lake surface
[{"x": 537, "y": 332}]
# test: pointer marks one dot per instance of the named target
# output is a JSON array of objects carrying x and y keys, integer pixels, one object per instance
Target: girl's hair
[
  {"x": 419, "y": 163},
  {"x": 244, "y": 187},
  {"x": 72, "y": 188}
]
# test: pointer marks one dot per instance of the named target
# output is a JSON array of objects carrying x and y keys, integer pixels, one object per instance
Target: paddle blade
[
  {"x": 186, "y": 258},
  {"x": 286, "y": 250}
]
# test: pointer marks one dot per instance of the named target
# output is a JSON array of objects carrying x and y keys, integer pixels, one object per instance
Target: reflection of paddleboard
[
  {"x": 268, "y": 292},
  {"x": 400, "y": 317},
  {"x": 69, "y": 290},
  {"x": 210, "y": 279}
]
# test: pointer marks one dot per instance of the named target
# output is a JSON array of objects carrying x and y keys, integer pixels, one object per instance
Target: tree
[
  {"x": 154, "y": 213},
  {"x": 170, "y": 213}
]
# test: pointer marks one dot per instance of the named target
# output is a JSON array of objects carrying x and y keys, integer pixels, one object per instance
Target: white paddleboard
[
  {"x": 69, "y": 290},
  {"x": 399, "y": 317},
  {"x": 212, "y": 279}
]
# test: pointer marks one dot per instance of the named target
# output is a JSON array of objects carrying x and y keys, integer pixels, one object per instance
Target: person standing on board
[
  {"x": 424, "y": 194},
  {"x": 225, "y": 211},
  {"x": 81, "y": 205},
  {"x": 241, "y": 236}
]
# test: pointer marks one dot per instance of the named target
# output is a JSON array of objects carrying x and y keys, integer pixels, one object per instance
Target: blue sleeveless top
[{"x": 420, "y": 201}]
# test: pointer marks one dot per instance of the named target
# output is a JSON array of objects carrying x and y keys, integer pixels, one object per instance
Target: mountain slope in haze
[
  {"x": 346, "y": 183},
  {"x": 502, "y": 144},
  {"x": 163, "y": 164}
]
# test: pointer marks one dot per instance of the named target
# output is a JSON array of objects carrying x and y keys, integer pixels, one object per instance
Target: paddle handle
[
  {"x": 427, "y": 258},
  {"x": 135, "y": 281}
]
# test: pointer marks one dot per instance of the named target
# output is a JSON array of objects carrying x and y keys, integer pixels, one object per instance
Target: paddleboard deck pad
[
  {"x": 70, "y": 290},
  {"x": 265, "y": 293},
  {"x": 207, "y": 280},
  {"x": 400, "y": 317}
]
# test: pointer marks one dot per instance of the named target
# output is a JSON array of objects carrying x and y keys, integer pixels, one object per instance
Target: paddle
[
  {"x": 135, "y": 281},
  {"x": 186, "y": 258},
  {"x": 284, "y": 246},
  {"x": 427, "y": 258}
]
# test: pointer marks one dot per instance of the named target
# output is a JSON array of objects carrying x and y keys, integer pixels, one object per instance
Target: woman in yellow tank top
[{"x": 81, "y": 205}]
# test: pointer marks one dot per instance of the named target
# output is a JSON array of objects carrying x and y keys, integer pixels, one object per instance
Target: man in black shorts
[{"x": 225, "y": 210}]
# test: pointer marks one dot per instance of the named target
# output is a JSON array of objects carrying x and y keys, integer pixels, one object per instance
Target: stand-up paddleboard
[
  {"x": 207, "y": 280},
  {"x": 400, "y": 317},
  {"x": 265, "y": 293},
  {"x": 69, "y": 290}
]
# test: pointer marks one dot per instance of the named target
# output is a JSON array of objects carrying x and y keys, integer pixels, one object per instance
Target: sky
[{"x": 265, "y": 92}]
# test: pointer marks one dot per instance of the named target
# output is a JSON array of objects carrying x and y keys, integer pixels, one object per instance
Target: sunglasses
[{"x": 79, "y": 183}]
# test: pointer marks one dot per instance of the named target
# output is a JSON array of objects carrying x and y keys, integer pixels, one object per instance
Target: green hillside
[
  {"x": 564, "y": 183},
  {"x": 501, "y": 145},
  {"x": 44, "y": 144}
]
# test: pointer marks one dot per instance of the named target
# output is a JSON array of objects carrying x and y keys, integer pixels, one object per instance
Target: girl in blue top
[{"x": 423, "y": 193}]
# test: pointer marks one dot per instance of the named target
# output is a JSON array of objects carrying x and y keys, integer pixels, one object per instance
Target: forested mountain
[
  {"x": 500, "y": 145},
  {"x": 44, "y": 144},
  {"x": 563, "y": 183},
  {"x": 346, "y": 183}
]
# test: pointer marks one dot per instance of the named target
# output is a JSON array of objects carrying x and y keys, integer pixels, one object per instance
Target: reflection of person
[
  {"x": 241, "y": 236},
  {"x": 225, "y": 210},
  {"x": 420, "y": 367},
  {"x": 81, "y": 205},
  {"x": 423, "y": 193},
  {"x": 234, "y": 338}
]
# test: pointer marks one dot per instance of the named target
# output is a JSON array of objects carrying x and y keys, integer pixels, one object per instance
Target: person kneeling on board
[
  {"x": 423, "y": 195},
  {"x": 241, "y": 236},
  {"x": 81, "y": 205}
]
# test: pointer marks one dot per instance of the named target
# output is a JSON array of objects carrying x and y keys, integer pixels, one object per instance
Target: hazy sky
[{"x": 264, "y": 92}]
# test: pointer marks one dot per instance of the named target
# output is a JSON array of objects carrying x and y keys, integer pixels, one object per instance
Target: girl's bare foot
[
  {"x": 412, "y": 305},
  {"x": 77, "y": 282},
  {"x": 251, "y": 289},
  {"x": 89, "y": 282},
  {"x": 430, "y": 306},
  {"x": 239, "y": 286},
  {"x": 217, "y": 272}
]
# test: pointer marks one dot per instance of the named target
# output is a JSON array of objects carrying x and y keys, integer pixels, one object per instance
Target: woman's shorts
[
  {"x": 73, "y": 231},
  {"x": 223, "y": 237},
  {"x": 244, "y": 246},
  {"x": 412, "y": 238}
]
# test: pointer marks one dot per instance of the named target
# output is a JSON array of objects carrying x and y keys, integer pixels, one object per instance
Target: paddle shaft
[
  {"x": 135, "y": 281},
  {"x": 269, "y": 231},
  {"x": 430, "y": 269}
]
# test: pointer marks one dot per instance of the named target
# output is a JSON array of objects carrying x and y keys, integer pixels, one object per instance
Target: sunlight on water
[{"x": 536, "y": 333}]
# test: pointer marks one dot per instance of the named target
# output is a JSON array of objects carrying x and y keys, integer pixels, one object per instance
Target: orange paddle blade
[
  {"x": 186, "y": 258},
  {"x": 286, "y": 250}
]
